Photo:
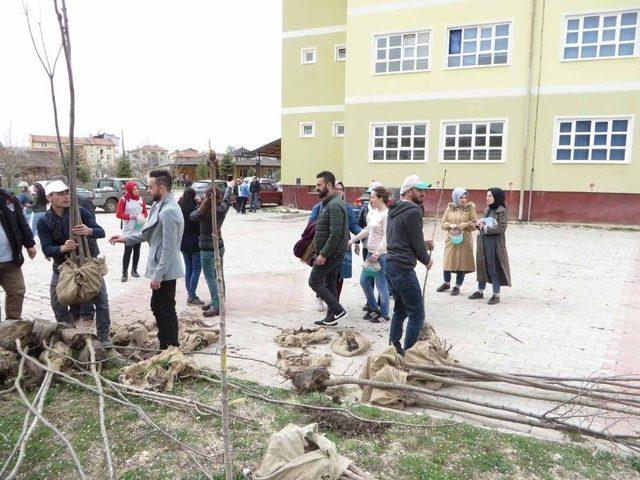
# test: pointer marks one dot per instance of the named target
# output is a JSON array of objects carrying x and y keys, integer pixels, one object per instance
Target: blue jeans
[
  {"x": 192, "y": 269},
  {"x": 380, "y": 281},
  {"x": 495, "y": 283},
  {"x": 254, "y": 201},
  {"x": 407, "y": 296},
  {"x": 459, "y": 278},
  {"x": 33, "y": 221},
  {"x": 207, "y": 258}
]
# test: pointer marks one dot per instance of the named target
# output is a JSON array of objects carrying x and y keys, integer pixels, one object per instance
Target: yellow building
[{"x": 532, "y": 96}]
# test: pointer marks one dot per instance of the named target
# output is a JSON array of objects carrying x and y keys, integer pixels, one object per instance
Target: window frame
[
  {"x": 374, "y": 49},
  {"x": 563, "y": 40},
  {"x": 473, "y": 121},
  {"x": 630, "y": 117},
  {"x": 399, "y": 123},
  {"x": 313, "y": 127},
  {"x": 335, "y": 126},
  {"x": 511, "y": 39},
  {"x": 336, "y": 48},
  {"x": 304, "y": 50}
]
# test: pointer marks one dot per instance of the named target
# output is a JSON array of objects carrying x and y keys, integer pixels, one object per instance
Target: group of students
[
  {"x": 245, "y": 192},
  {"x": 393, "y": 243}
]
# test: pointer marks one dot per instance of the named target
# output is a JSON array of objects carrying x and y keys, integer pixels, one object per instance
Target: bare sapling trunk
[{"x": 226, "y": 440}]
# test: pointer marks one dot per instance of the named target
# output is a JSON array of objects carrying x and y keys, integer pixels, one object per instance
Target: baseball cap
[
  {"x": 373, "y": 185},
  {"x": 413, "y": 181},
  {"x": 23, "y": 184},
  {"x": 56, "y": 186}
]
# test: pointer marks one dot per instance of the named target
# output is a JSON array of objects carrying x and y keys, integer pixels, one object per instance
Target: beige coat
[
  {"x": 501, "y": 215},
  {"x": 459, "y": 258}
]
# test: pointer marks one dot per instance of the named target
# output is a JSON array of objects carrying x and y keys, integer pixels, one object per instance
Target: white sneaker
[{"x": 320, "y": 306}]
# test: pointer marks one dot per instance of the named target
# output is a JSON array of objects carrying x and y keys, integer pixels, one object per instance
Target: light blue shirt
[{"x": 6, "y": 254}]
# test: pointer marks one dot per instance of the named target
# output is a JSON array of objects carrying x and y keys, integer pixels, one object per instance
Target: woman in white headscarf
[{"x": 459, "y": 220}]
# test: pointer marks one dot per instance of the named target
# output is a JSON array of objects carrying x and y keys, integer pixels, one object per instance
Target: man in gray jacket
[
  {"x": 331, "y": 243},
  {"x": 163, "y": 231}
]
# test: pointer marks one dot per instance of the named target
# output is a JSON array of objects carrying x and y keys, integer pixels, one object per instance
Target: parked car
[
  {"x": 109, "y": 190},
  {"x": 270, "y": 194},
  {"x": 83, "y": 193},
  {"x": 200, "y": 186}
]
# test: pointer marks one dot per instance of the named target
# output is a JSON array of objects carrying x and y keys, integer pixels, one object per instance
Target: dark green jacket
[{"x": 332, "y": 227}]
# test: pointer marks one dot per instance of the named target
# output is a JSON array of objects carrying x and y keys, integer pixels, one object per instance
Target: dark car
[
  {"x": 109, "y": 190},
  {"x": 200, "y": 186}
]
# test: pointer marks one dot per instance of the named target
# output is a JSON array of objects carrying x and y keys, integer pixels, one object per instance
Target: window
[
  {"x": 341, "y": 53},
  {"x": 402, "y": 52},
  {"x": 308, "y": 55},
  {"x": 479, "y": 46},
  {"x": 601, "y": 36},
  {"x": 403, "y": 142},
  {"x": 338, "y": 129},
  {"x": 474, "y": 141},
  {"x": 307, "y": 129},
  {"x": 600, "y": 139}
]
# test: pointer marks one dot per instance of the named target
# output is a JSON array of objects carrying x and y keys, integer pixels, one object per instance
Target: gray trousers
[{"x": 100, "y": 302}]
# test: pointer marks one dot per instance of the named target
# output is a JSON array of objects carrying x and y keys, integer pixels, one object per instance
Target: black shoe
[
  {"x": 476, "y": 295},
  {"x": 366, "y": 308},
  {"x": 328, "y": 321},
  {"x": 124, "y": 278},
  {"x": 340, "y": 314},
  {"x": 135, "y": 274},
  {"x": 443, "y": 288},
  {"x": 371, "y": 314},
  {"x": 493, "y": 300},
  {"x": 206, "y": 306},
  {"x": 380, "y": 319},
  {"x": 194, "y": 301},
  {"x": 455, "y": 291}
]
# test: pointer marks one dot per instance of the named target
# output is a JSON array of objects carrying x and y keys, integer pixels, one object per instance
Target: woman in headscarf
[
  {"x": 132, "y": 211},
  {"x": 459, "y": 220},
  {"x": 492, "y": 259}
]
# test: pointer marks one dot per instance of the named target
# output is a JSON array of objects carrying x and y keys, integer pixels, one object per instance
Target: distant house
[
  {"x": 184, "y": 162},
  {"x": 28, "y": 164},
  {"x": 148, "y": 157},
  {"x": 264, "y": 161},
  {"x": 99, "y": 151}
]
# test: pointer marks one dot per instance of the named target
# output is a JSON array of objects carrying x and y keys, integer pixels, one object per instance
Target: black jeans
[
  {"x": 163, "y": 306},
  {"x": 127, "y": 256},
  {"x": 324, "y": 281},
  {"x": 242, "y": 206}
]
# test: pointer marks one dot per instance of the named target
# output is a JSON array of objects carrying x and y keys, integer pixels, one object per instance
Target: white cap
[
  {"x": 23, "y": 184},
  {"x": 373, "y": 185},
  {"x": 413, "y": 181},
  {"x": 56, "y": 186}
]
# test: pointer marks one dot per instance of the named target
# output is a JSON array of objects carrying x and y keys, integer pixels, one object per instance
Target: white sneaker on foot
[{"x": 320, "y": 306}]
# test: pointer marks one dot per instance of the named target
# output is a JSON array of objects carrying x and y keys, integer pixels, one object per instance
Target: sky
[{"x": 173, "y": 73}]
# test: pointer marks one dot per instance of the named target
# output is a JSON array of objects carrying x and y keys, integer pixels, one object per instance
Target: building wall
[{"x": 589, "y": 88}]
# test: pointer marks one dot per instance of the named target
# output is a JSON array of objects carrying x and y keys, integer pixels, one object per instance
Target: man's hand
[
  {"x": 116, "y": 239},
  {"x": 429, "y": 245},
  {"x": 430, "y": 264},
  {"x": 155, "y": 285},
  {"x": 68, "y": 246},
  {"x": 82, "y": 230},
  {"x": 320, "y": 260},
  {"x": 32, "y": 252},
  {"x": 356, "y": 248}
]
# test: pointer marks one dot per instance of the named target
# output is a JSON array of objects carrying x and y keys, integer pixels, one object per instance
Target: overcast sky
[{"x": 167, "y": 72}]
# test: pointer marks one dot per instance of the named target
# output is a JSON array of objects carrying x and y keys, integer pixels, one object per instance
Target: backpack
[{"x": 303, "y": 248}]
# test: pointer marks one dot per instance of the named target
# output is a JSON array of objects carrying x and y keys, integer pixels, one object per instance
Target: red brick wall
[{"x": 573, "y": 207}]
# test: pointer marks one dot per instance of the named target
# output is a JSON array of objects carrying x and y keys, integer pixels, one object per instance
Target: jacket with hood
[
  {"x": 15, "y": 225},
  {"x": 405, "y": 240}
]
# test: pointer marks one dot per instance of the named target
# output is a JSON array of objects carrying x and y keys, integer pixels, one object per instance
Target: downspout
[{"x": 527, "y": 116}]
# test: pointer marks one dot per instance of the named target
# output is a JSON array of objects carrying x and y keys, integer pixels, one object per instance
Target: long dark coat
[{"x": 501, "y": 216}]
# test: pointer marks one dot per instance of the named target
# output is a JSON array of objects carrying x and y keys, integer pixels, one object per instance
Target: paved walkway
[{"x": 573, "y": 310}]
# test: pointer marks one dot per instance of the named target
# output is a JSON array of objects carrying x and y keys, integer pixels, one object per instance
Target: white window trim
[
  {"x": 556, "y": 135},
  {"x": 511, "y": 38},
  {"x": 505, "y": 140},
  {"x": 335, "y": 132},
  {"x": 563, "y": 40},
  {"x": 305, "y": 50},
  {"x": 403, "y": 32},
  {"x": 400, "y": 123},
  {"x": 313, "y": 127},
  {"x": 335, "y": 53}
]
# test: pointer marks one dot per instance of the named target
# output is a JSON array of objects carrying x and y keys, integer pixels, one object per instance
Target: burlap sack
[
  {"x": 158, "y": 372},
  {"x": 59, "y": 357},
  {"x": 350, "y": 343},
  {"x": 301, "y": 337},
  {"x": 8, "y": 364},
  {"x": 301, "y": 453},
  {"x": 80, "y": 283},
  {"x": 10, "y": 330},
  {"x": 391, "y": 398},
  {"x": 292, "y": 361},
  {"x": 374, "y": 364},
  {"x": 430, "y": 352}
]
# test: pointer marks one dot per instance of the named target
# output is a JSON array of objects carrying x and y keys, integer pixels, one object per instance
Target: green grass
[{"x": 447, "y": 452}]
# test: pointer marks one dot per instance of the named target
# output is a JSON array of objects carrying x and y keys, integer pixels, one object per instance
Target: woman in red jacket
[{"x": 133, "y": 212}]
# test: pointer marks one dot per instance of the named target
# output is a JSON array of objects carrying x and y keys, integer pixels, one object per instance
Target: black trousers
[
  {"x": 163, "y": 306},
  {"x": 324, "y": 281},
  {"x": 242, "y": 208},
  {"x": 127, "y": 257}
]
